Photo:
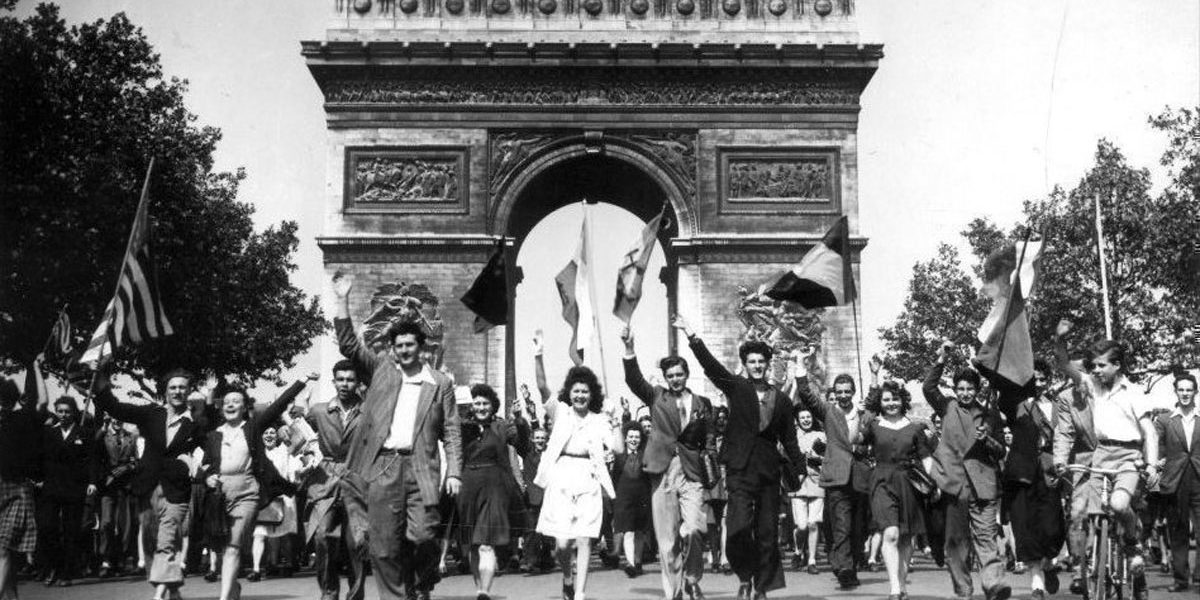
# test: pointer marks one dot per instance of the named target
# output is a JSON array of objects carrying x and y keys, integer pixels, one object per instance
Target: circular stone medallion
[
  {"x": 547, "y": 6},
  {"x": 408, "y": 6},
  {"x": 639, "y": 7},
  {"x": 593, "y": 7},
  {"x": 501, "y": 7},
  {"x": 777, "y": 7},
  {"x": 731, "y": 7},
  {"x": 455, "y": 7},
  {"x": 362, "y": 6},
  {"x": 823, "y": 7}
]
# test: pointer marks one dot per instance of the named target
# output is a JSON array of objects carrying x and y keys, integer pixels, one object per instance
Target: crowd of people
[{"x": 392, "y": 474}]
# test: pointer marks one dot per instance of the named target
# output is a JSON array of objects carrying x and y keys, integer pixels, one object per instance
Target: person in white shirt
[
  {"x": 1125, "y": 436},
  {"x": 1177, "y": 437}
]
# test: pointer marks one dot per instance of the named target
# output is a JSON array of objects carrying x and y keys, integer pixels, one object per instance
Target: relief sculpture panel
[
  {"x": 795, "y": 181},
  {"x": 406, "y": 180}
]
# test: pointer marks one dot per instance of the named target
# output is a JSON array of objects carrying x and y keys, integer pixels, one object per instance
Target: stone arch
[{"x": 678, "y": 192}]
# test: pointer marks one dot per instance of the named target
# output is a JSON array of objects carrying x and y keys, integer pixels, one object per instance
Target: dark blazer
[
  {"x": 1032, "y": 452},
  {"x": 68, "y": 463},
  {"x": 668, "y": 429},
  {"x": 844, "y": 462},
  {"x": 271, "y": 483},
  {"x": 160, "y": 464},
  {"x": 529, "y": 468},
  {"x": 437, "y": 419},
  {"x": 961, "y": 455},
  {"x": 1173, "y": 449},
  {"x": 109, "y": 452},
  {"x": 747, "y": 445}
]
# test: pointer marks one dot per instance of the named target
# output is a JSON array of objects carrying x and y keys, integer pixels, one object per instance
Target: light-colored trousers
[{"x": 677, "y": 507}]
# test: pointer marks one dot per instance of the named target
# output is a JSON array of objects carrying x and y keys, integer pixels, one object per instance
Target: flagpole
[
  {"x": 587, "y": 251},
  {"x": 857, "y": 341},
  {"x": 1108, "y": 331}
]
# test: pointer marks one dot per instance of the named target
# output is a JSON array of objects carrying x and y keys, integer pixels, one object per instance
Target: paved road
[{"x": 927, "y": 583}]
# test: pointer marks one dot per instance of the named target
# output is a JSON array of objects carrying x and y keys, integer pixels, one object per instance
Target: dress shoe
[
  {"x": 893, "y": 596},
  {"x": 568, "y": 591},
  {"x": 1177, "y": 587},
  {"x": 105, "y": 572},
  {"x": 813, "y": 570},
  {"x": 760, "y": 595},
  {"x": 744, "y": 592},
  {"x": 631, "y": 571},
  {"x": 692, "y": 591},
  {"x": 1077, "y": 586},
  {"x": 254, "y": 576},
  {"x": 422, "y": 594},
  {"x": 1037, "y": 595},
  {"x": 211, "y": 577},
  {"x": 1052, "y": 582},
  {"x": 1002, "y": 591},
  {"x": 483, "y": 597},
  {"x": 847, "y": 579}
]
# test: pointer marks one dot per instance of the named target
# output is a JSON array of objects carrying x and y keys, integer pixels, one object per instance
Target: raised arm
[
  {"x": 713, "y": 369},
  {"x": 805, "y": 399},
  {"x": 930, "y": 388},
  {"x": 633, "y": 373},
  {"x": 1062, "y": 358},
  {"x": 539, "y": 366},
  {"x": 107, "y": 403},
  {"x": 348, "y": 341},
  {"x": 519, "y": 434},
  {"x": 276, "y": 409}
]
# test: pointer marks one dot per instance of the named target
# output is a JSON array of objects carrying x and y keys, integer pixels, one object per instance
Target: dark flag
[
  {"x": 823, "y": 277},
  {"x": 488, "y": 296}
]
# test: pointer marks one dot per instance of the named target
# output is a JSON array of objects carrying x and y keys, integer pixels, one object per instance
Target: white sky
[{"x": 953, "y": 125}]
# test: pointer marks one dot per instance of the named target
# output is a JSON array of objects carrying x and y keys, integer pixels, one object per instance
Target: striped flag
[
  {"x": 60, "y": 334},
  {"x": 823, "y": 277},
  {"x": 574, "y": 289},
  {"x": 135, "y": 313},
  {"x": 633, "y": 268},
  {"x": 1010, "y": 275}
]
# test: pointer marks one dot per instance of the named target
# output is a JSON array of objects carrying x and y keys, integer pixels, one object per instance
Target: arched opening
[{"x": 545, "y": 224}]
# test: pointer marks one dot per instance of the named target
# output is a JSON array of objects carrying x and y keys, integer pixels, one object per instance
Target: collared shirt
[
  {"x": 173, "y": 423},
  {"x": 683, "y": 405},
  {"x": 235, "y": 450},
  {"x": 404, "y": 418},
  {"x": 1116, "y": 413},
  {"x": 66, "y": 433},
  {"x": 1188, "y": 421}
]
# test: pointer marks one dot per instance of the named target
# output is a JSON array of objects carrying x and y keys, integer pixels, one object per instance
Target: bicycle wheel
[{"x": 1099, "y": 583}]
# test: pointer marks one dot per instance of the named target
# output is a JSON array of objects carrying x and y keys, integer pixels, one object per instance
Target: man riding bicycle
[{"x": 1126, "y": 439}]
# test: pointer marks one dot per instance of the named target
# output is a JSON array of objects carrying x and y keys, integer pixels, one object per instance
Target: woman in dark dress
[
  {"x": 631, "y": 508},
  {"x": 488, "y": 484},
  {"x": 898, "y": 444}
]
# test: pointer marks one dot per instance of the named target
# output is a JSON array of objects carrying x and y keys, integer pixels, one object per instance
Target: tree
[
  {"x": 82, "y": 110},
  {"x": 943, "y": 303},
  {"x": 1148, "y": 243}
]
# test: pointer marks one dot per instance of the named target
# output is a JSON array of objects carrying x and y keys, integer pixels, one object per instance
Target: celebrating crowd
[{"x": 389, "y": 473}]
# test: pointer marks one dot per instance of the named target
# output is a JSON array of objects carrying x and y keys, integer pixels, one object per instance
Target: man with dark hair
[
  {"x": 1031, "y": 497},
  {"x": 393, "y": 460},
  {"x": 162, "y": 485},
  {"x": 965, "y": 466},
  {"x": 1180, "y": 450},
  {"x": 1074, "y": 442},
  {"x": 331, "y": 512},
  {"x": 68, "y": 479},
  {"x": 1125, "y": 438},
  {"x": 116, "y": 457},
  {"x": 760, "y": 420},
  {"x": 673, "y": 460},
  {"x": 845, "y": 473}
]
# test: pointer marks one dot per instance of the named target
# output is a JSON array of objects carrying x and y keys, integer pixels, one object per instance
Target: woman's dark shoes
[
  {"x": 813, "y": 570},
  {"x": 254, "y": 576},
  {"x": 568, "y": 591},
  {"x": 211, "y": 577},
  {"x": 483, "y": 597},
  {"x": 631, "y": 571}
]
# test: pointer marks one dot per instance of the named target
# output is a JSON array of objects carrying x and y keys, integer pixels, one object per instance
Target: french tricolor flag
[{"x": 823, "y": 277}]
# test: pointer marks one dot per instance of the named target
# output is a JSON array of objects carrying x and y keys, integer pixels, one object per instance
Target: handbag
[
  {"x": 920, "y": 480},
  {"x": 271, "y": 514},
  {"x": 710, "y": 471}
]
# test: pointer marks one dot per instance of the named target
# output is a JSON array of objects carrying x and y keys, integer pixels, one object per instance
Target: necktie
[{"x": 682, "y": 412}]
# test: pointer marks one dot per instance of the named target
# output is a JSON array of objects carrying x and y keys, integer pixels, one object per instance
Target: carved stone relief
[
  {"x": 399, "y": 178},
  {"x": 801, "y": 180}
]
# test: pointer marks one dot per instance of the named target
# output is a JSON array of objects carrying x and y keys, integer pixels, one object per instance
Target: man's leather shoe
[
  {"x": 1002, "y": 591},
  {"x": 847, "y": 578},
  {"x": 1077, "y": 586},
  {"x": 1177, "y": 587},
  {"x": 760, "y": 595},
  {"x": 692, "y": 590},
  {"x": 1052, "y": 583},
  {"x": 1037, "y": 595},
  {"x": 744, "y": 592}
]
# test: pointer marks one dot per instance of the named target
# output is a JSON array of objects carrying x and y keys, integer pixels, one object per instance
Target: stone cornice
[{"x": 736, "y": 248}]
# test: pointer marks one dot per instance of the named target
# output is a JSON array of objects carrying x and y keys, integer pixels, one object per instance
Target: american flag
[
  {"x": 60, "y": 334},
  {"x": 135, "y": 313}
]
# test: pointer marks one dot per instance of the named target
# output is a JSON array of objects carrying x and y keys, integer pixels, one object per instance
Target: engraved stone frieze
[{"x": 406, "y": 179}]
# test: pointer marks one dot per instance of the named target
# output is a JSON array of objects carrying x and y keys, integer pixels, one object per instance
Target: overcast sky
[{"x": 967, "y": 116}]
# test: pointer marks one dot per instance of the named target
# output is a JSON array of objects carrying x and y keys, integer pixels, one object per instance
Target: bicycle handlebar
[{"x": 1098, "y": 471}]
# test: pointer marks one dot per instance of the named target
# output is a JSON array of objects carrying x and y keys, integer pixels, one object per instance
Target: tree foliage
[
  {"x": 82, "y": 111},
  {"x": 1148, "y": 242}
]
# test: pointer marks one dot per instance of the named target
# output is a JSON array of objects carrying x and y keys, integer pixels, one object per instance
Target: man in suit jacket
[
  {"x": 1179, "y": 443},
  {"x": 680, "y": 420},
  {"x": 163, "y": 483},
  {"x": 329, "y": 519},
  {"x": 1074, "y": 442},
  {"x": 845, "y": 474},
  {"x": 965, "y": 466},
  {"x": 1031, "y": 491},
  {"x": 68, "y": 479},
  {"x": 393, "y": 459},
  {"x": 760, "y": 419},
  {"x": 115, "y": 458},
  {"x": 535, "y": 553}
]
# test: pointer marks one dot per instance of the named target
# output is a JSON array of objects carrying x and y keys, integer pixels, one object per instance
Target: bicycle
[{"x": 1112, "y": 575}]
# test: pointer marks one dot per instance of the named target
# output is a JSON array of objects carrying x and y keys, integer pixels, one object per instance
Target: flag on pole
[
  {"x": 488, "y": 296},
  {"x": 823, "y": 277},
  {"x": 633, "y": 269},
  {"x": 1009, "y": 275},
  {"x": 60, "y": 334},
  {"x": 135, "y": 313},
  {"x": 575, "y": 292}
]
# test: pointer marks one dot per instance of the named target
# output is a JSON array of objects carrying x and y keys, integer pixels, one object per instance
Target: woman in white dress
[{"x": 574, "y": 474}]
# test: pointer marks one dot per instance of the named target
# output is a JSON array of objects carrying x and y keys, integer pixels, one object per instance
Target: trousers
[
  {"x": 971, "y": 523},
  {"x": 677, "y": 509},
  {"x": 400, "y": 530},
  {"x": 753, "y": 522}
]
